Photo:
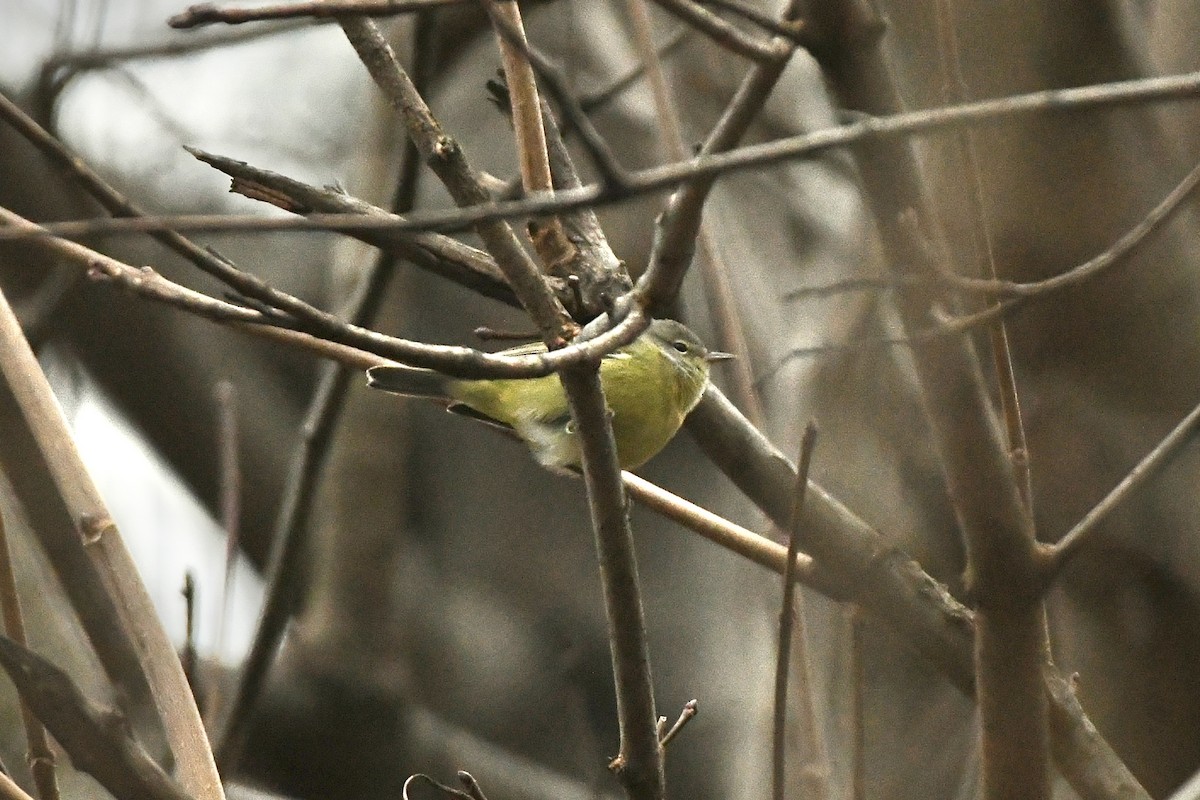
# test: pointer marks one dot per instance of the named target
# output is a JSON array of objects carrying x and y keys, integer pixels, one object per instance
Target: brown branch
[
  {"x": 599, "y": 98},
  {"x": 794, "y": 30},
  {"x": 352, "y": 343},
  {"x": 546, "y": 233},
  {"x": 721, "y": 31},
  {"x": 612, "y": 174},
  {"x": 719, "y": 292},
  {"x": 39, "y": 755},
  {"x": 1011, "y": 640},
  {"x": 315, "y": 320},
  {"x": 441, "y": 255},
  {"x": 677, "y": 227},
  {"x": 703, "y": 168},
  {"x": 865, "y": 568},
  {"x": 954, "y": 325},
  {"x": 638, "y": 764},
  {"x": 450, "y": 164},
  {"x": 595, "y": 274},
  {"x": 9, "y": 790},
  {"x": 1058, "y": 555},
  {"x": 1162, "y": 212},
  {"x": 96, "y": 739},
  {"x": 790, "y": 620},
  {"x": 97, "y": 571},
  {"x": 983, "y": 256},
  {"x": 732, "y": 537},
  {"x": 208, "y": 13}
]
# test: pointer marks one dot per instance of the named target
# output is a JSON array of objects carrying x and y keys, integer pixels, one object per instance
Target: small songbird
[{"x": 650, "y": 385}]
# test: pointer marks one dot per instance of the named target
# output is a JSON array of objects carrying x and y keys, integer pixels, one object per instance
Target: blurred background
[{"x": 451, "y": 615}]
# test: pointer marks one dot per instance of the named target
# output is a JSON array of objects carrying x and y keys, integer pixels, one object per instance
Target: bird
[{"x": 650, "y": 386}]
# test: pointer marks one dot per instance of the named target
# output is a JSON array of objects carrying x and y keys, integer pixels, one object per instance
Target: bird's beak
[{"x": 717, "y": 355}]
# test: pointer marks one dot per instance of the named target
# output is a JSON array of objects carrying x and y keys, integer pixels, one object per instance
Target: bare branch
[
  {"x": 677, "y": 227},
  {"x": 39, "y": 754},
  {"x": 790, "y": 620},
  {"x": 701, "y": 168},
  {"x": 865, "y": 568},
  {"x": 96, "y": 570},
  {"x": 638, "y": 764},
  {"x": 1058, "y": 555},
  {"x": 448, "y": 161},
  {"x": 350, "y": 343},
  {"x": 442, "y": 255},
  {"x": 208, "y": 13},
  {"x": 794, "y": 30},
  {"x": 718, "y": 288},
  {"x": 719, "y": 30},
  {"x": 1011, "y": 640},
  {"x": 96, "y": 739}
]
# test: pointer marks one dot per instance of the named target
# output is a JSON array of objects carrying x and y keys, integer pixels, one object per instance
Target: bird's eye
[{"x": 680, "y": 345}]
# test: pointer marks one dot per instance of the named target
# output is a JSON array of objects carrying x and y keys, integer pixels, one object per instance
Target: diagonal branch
[
  {"x": 703, "y": 169},
  {"x": 85, "y": 546},
  {"x": 96, "y": 739}
]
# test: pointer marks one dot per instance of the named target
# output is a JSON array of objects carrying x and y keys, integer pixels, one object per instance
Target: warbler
[{"x": 650, "y": 385}]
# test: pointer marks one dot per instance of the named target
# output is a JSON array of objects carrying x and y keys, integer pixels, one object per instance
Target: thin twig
[
  {"x": 208, "y": 14},
  {"x": 1161, "y": 212},
  {"x": 598, "y": 98},
  {"x": 690, "y": 709},
  {"x": 352, "y": 342},
  {"x": 40, "y": 756},
  {"x": 315, "y": 320},
  {"x": 702, "y": 168},
  {"x": 611, "y": 173},
  {"x": 677, "y": 227},
  {"x": 471, "y": 785},
  {"x": 719, "y": 30},
  {"x": 955, "y": 91},
  {"x": 1058, "y": 555},
  {"x": 793, "y": 30},
  {"x": 76, "y": 61},
  {"x": 722, "y": 303},
  {"x": 724, "y": 533},
  {"x": 188, "y": 656},
  {"x": 290, "y": 537},
  {"x": 789, "y": 622},
  {"x": 448, "y": 161}
]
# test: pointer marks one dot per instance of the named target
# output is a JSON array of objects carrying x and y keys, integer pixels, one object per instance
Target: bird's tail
[{"x": 408, "y": 381}]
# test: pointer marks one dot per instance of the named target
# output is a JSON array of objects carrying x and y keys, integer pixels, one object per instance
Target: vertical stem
[
  {"x": 789, "y": 622},
  {"x": 548, "y": 236},
  {"x": 858, "y": 755},
  {"x": 954, "y": 92},
  {"x": 639, "y": 764},
  {"x": 41, "y": 758},
  {"x": 1010, "y": 652},
  {"x": 989, "y": 503}
]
